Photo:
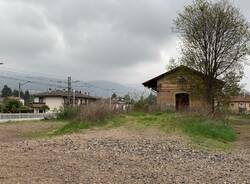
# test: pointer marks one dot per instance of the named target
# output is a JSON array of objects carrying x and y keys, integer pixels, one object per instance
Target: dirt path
[
  {"x": 242, "y": 128},
  {"x": 114, "y": 156}
]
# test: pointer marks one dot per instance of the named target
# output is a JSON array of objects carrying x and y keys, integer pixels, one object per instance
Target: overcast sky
[{"x": 126, "y": 41}]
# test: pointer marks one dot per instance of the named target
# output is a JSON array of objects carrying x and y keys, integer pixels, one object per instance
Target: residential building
[
  {"x": 181, "y": 89},
  {"x": 239, "y": 104},
  {"x": 120, "y": 104},
  {"x": 52, "y": 101}
]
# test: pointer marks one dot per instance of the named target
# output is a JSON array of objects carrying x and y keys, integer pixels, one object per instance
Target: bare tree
[
  {"x": 172, "y": 63},
  {"x": 215, "y": 39}
]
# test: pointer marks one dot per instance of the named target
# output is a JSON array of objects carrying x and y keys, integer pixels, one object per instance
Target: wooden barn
[{"x": 181, "y": 89}]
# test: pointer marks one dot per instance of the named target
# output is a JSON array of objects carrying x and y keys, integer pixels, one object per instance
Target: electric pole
[
  {"x": 69, "y": 89},
  {"x": 19, "y": 87},
  {"x": 19, "y": 90},
  {"x": 74, "y": 98}
]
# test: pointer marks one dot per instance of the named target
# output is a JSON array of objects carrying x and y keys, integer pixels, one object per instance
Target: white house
[{"x": 54, "y": 100}]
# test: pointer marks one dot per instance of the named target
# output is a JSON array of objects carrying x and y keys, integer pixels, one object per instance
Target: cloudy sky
[{"x": 126, "y": 41}]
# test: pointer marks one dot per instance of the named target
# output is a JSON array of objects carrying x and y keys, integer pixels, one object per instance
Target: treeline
[
  {"x": 141, "y": 99},
  {"x": 7, "y": 92},
  {"x": 141, "y": 102},
  {"x": 10, "y": 105}
]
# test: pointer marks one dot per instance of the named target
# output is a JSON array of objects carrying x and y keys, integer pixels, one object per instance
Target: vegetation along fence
[{"x": 25, "y": 116}]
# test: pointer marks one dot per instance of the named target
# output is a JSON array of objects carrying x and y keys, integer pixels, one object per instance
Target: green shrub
[
  {"x": 68, "y": 113},
  {"x": 12, "y": 106},
  {"x": 97, "y": 112}
]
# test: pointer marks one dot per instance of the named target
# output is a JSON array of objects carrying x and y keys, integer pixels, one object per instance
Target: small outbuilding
[{"x": 181, "y": 89}]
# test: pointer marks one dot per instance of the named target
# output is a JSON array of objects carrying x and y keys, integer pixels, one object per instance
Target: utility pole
[
  {"x": 74, "y": 98},
  {"x": 69, "y": 90},
  {"x": 110, "y": 98},
  {"x": 19, "y": 90},
  {"x": 19, "y": 87}
]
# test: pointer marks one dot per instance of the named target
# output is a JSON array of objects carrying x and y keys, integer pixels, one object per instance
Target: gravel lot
[{"x": 117, "y": 156}]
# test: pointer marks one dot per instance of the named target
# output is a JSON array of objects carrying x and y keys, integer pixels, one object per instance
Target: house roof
[
  {"x": 11, "y": 98},
  {"x": 152, "y": 83},
  {"x": 14, "y": 98},
  {"x": 62, "y": 93},
  {"x": 240, "y": 99}
]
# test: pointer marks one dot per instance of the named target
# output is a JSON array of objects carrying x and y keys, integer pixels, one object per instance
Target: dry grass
[{"x": 96, "y": 112}]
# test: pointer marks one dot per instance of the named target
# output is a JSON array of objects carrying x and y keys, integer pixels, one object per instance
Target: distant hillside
[
  {"x": 106, "y": 88},
  {"x": 100, "y": 88}
]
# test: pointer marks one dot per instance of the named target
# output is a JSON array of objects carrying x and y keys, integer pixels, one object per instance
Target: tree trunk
[{"x": 210, "y": 94}]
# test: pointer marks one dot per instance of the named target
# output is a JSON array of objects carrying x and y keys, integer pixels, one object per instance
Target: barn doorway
[{"x": 182, "y": 101}]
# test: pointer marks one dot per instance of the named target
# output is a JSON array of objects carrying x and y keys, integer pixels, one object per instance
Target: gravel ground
[{"x": 117, "y": 156}]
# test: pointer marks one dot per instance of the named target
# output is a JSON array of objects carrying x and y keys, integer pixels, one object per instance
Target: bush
[
  {"x": 12, "y": 106},
  {"x": 92, "y": 112},
  {"x": 97, "y": 112},
  {"x": 68, "y": 113}
]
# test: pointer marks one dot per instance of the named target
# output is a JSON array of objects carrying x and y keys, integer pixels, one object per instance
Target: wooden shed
[{"x": 181, "y": 88}]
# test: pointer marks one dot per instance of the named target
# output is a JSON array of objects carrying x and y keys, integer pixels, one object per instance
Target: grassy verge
[
  {"x": 47, "y": 129},
  {"x": 31, "y": 129},
  {"x": 203, "y": 131},
  {"x": 245, "y": 118},
  {"x": 74, "y": 126}
]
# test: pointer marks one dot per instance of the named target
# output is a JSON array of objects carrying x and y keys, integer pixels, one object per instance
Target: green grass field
[{"x": 202, "y": 131}]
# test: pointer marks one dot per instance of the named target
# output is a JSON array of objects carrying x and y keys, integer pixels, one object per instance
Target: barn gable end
[{"x": 181, "y": 88}]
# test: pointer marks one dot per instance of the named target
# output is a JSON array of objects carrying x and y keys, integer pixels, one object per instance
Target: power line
[
  {"x": 30, "y": 73},
  {"x": 51, "y": 82},
  {"x": 34, "y": 82},
  {"x": 55, "y": 79}
]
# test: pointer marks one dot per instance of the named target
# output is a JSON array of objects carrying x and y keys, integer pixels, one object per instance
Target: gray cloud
[{"x": 116, "y": 40}]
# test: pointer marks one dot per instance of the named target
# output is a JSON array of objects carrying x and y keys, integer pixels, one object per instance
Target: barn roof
[
  {"x": 240, "y": 99},
  {"x": 152, "y": 83}
]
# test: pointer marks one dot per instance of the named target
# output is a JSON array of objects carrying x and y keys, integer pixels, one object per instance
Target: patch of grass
[
  {"x": 245, "y": 118},
  {"x": 71, "y": 128},
  {"x": 198, "y": 142},
  {"x": 43, "y": 132},
  {"x": 217, "y": 130},
  {"x": 75, "y": 126}
]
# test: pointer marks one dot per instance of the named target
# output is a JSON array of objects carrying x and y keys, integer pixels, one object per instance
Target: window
[
  {"x": 41, "y": 100},
  {"x": 232, "y": 105}
]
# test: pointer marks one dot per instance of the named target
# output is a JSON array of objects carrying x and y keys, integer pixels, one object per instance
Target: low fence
[{"x": 25, "y": 116}]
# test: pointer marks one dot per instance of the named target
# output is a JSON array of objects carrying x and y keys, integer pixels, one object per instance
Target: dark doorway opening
[{"x": 182, "y": 101}]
